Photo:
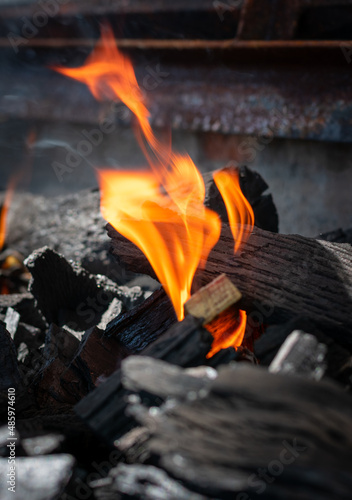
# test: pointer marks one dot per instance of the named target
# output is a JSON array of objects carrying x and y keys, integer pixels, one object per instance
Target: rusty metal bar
[
  {"x": 250, "y": 91},
  {"x": 146, "y": 44},
  {"x": 10, "y": 8}
]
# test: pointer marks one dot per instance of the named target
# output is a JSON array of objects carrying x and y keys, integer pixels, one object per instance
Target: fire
[
  {"x": 227, "y": 330},
  {"x": 239, "y": 210},
  {"x": 4, "y": 211},
  {"x": 161, "y": 210},
  {"x": 172, "y": 228}
]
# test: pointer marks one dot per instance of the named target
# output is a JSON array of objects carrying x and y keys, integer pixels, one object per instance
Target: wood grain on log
[
  {"x": 279, "y": 276},
  {"x": 237, "y": 436}
]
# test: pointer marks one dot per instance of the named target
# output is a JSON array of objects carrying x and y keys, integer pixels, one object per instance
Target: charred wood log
[
  {"x": 60, "y": 286},
  {"x": 139, "y": 327},
  {"x": 279, "y": 276},
  {"x": 141, "y": 481},
  {"x": 70, "y": 296},
  {"x": 186, "y": 344},
  {"x": 237, "y": 436}
]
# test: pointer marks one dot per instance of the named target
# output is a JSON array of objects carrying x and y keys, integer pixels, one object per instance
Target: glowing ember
[
  {"x": 160, "y": 210},
  {"x": 227, "y": 330}
]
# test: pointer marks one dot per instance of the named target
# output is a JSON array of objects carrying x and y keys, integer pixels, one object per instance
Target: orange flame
[
  {"x": 4, "y": 211},
  {"x": 227, "y": 331},
  {"x": 162, "y": 210},
  {"x": 174, "y": 230},
  {"x": 239, "y": 210}
]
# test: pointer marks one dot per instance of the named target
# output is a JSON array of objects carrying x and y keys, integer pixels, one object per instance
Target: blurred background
[{"x": 267, "y": 84}]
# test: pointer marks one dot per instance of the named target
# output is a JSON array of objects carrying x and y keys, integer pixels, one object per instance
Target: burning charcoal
[
  {"x": 252, "y": 186},
  {"x": 300, "y": 354},
  {"x": 278, "y": 277},
  {"x": 14, "y": 276},
  {"x": 37, "y": 478},
  {"x": 67, "y": 293},
  {"x": 225, "y": 356},
  {"x": 141, "y": 481}
]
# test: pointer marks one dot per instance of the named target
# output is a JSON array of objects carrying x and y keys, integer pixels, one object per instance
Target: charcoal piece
[
  {"x": 115, "y": 309},
  {"x": 132, "y": 296},
  {"x": 253, "y": 186},
  {"x": 141, "y": 481},
  {"x": 338, "y": 359},
  {"x": 10, "y": 376},
  {"x": 12, "y": 319},
  {"x": 300, "y": 354},
  {"x": 65, "y": 292},
  {"x": 76, "y": 231},
  {"x": 139, "y": 327},
  {"x": 102, "y": 354},
  {"x": 185, "y": 343},
  {"x": 142, "y": 373},
  {"x": 25, "y": 305},
  {"x": 37, "y": 478},
  {"x": 337, "y": 236},
  {"x": 61, "y": 344},
  {"x": 250, "y": 421},
  {"x": 42, "y": 445},
  {"x": 57, "y": 385},
  {"x": 267, "y": 346},
  {"x": 226, "y": 356},
  {"x": 280, "y": 277},
  {"x": 29, "y": 335}
]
